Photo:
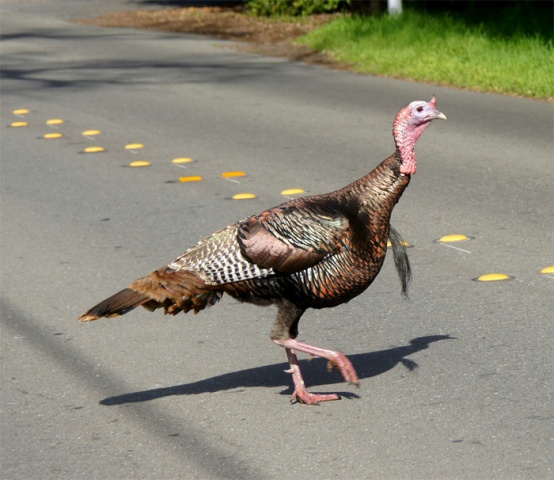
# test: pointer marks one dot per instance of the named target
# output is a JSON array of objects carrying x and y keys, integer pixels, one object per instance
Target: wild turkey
[{"x": 312, "y": 252}]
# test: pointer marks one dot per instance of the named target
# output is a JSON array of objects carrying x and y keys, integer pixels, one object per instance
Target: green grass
[{"x": 443, "y": 50}]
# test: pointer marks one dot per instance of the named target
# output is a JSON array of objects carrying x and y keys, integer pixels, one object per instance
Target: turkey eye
[{"x": 420, "y": 109}]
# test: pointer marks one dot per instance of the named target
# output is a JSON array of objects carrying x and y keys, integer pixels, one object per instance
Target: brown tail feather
[
  {"x": 116, "y": 305},
  {"x": 174, "y": 291}
]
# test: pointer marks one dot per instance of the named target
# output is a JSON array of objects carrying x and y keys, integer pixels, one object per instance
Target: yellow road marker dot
[
  {"x": 140, "y": 163},
  {"x": 54, "y": 121},
  {"x": 292, "y": 191},
  {"x": 19, "y": 124},
  {"x": 191, "y": 178},
  {"x": 493, "y": 277},
  {"x": 406, "y": 244},
  {"x": 453, "y": 238},
  {"x": 91, "y": 133},
  {"x": 243, "y": 196},
  {"x": 233, "y": 174},
  {"x": 134, "y": 146},
  {"x": 21, "y": 111},
  {"x": 547, "y": 270},
  {"x": 94, "y": 149},
  {"x": 178, "y": 161},
  {"x": 50, "y": 136}
]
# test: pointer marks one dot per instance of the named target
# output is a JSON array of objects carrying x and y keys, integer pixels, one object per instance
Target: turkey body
[
  {"x": 338, "y": 247},
  {"x": 312, "y": 252}
]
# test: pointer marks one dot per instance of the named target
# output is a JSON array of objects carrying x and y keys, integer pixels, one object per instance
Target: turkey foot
[
  {"x": 336, "y": 359},
  {"x": 301, "y": 393}
]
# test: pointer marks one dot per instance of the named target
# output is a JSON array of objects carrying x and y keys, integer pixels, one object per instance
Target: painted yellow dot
[
  {"x": 233, "y": 174},
  {"x": 493, "y": 277},
  {"x": 91, "y": 133},
  {"x": 191, "y": 178},
  {"x": 406, "y": 244},
  {"x": 181, "y": 160},
  {"x": 140, "y": 163},
  {"x": 19, "y": 124},
  {"x": 243, "y": 196},
  {"x": 454, "y": 238},
  {"x": 134, "y": 146},
  {"x": 292, "y": 191},
  {"x": 50, "y": 136},
  {"x": 54, "y": 121},
  {"x": 94, "y": 149},
  {"x": 547, "y": 270},
  {"x": 21, "y": 111}
]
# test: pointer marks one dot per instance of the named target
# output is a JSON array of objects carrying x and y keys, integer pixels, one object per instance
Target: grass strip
[{"x": 440, "y": 49}]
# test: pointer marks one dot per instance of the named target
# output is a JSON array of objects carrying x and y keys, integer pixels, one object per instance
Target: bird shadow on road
[{"x": 367, "y": 365}]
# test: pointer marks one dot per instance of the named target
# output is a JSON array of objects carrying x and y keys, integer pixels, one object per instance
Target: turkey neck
[
  {"x": 379, "y": 190},
  {"x": 372, "y": 198}
]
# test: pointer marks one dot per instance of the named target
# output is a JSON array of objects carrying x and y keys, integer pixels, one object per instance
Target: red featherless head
[{"x": 410, "y": 123}]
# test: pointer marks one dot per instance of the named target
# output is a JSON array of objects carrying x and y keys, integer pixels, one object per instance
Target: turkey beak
[{"x": 439, "y": 115}]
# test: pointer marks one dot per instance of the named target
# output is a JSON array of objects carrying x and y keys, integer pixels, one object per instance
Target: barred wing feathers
[
  {"x": 218, "y": 260},
  {"x": 288, "y": 239}
]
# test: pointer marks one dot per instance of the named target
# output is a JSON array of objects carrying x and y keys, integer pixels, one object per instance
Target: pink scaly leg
[
  {"x": 301, "y": 393},
  {"x": 335, "y": 359}
]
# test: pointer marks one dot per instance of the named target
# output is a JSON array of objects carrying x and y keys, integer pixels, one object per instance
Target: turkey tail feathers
[
  {"x": 118, "y": 304},
  {"x": 401, "y": 260}
]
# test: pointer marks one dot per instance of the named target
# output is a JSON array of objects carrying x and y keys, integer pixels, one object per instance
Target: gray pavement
[{"x": 455, "y": 383}]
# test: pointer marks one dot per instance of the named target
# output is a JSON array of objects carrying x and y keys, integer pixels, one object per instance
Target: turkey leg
[{"x": 337, "y": 359}]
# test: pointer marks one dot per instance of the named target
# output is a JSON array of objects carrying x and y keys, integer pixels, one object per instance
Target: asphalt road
[{"x": 455, "y": 383}]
